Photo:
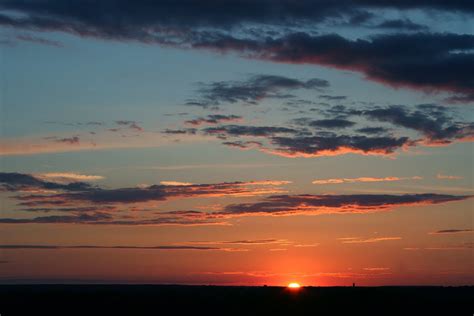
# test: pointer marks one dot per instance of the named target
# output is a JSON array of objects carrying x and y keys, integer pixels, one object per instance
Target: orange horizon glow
[{"x": 294, "y": 286}]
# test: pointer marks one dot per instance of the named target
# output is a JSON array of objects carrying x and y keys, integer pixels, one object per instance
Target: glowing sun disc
[{"x": 294, "y": 285}]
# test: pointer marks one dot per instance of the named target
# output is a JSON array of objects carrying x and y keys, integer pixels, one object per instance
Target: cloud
[
  {"x": 306, "y": 245},
  {"x": 391, "y": 59},
  {"x": 141, "y": 20},
  {"x": 272, "y": 205},
  {"x": 130, "y": 124},
  {"x": 252, "y": 90},
  {"x": 68, "y": 140},
  {"x": 12, "y": 181},
  {"x": 279, "y": 31},
  {"x": 244, "y": 144},
  {"x": 184, "y": 131},
  {"x": 448, "y": 177},
  {"x": 333, "y": 97},
  {"x": 308, "y": 137},
  {"x": 181, "y": 218},
  {"x": 452, "y": 231},
  {"x": 376, "y": 269},
  {"x": 402, "y": 24},
  {"x": 164, "y": 247},
  {"x": 334, "y": 204},
  {"x": 214, "y": 119},
  {"x": 67, "y": 177},
  {"x": 30, "y": 145},
  {"x": 333, "y": 123},
  {"x": 358, "y": 240},
  {"x": 60, "y": 219},
  {"x": 435, "y": 125},
  {"x": 80, "y": 192},
  {"x": 332, "y": 145},
  {"x": 241, "y": 242},
  {"x": 363, "y": 179},
  {"x": 152, "y": 193},
  {"x": 241, "y": 130},
  {"x": 461, "y": 246},
  {"x": 373, "y": 130},
  {"x": 38, "y": 40},
  {"x": 175, "y": 183},
  {"x": 430, "y": 120}
]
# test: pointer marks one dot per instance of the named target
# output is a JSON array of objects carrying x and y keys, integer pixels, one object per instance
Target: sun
[{"x": 294, "y": 285}]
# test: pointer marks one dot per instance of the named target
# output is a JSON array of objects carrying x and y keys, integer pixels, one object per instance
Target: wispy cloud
[
  {"x": 359, "y": 240},
  {"x": 163, "y": 247},
  {"x": 214, "y": 119},
  {"x": 87, "y": 204},
  {"x": 363, "y": 179},
  {"x": 175, "y": 183},
  {"x": 67, "y": 177},
  {"x": 252, "y": 90},
  {"x": 452, "y": 231},
  {"x": 448, "y": 177},
  {"x": 240, "y": 242}
]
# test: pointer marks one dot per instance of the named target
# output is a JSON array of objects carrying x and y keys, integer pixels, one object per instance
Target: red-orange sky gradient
[{"x": 237, "y": 143}]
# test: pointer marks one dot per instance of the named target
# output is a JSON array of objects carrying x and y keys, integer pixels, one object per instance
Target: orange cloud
[
  {"x": 67, "y": 177},
  {"x": 363, "y": 179},
  {"x": 448, "y": 177},
  {"x": 358, "y": 240}
]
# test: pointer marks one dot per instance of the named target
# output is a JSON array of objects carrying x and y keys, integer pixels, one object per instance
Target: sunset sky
[{"x": 237, "y": 142}]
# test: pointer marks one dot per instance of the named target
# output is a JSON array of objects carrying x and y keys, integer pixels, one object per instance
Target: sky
[{"x": 237, "y": 142}]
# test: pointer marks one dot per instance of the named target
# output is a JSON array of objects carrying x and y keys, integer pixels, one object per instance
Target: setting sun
[{"x": 294, "y": 285}]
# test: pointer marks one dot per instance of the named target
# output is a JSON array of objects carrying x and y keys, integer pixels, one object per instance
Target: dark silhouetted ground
[{"x": 220, "y": 300}]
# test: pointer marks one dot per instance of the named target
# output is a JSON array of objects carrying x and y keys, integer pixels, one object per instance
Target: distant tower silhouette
[{"x": 353, "y": 285}]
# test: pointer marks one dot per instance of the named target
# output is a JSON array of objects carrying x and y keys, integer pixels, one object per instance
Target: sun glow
[{"x": 294, "y": 285}]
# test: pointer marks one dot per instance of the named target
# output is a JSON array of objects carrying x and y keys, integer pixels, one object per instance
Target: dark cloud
[
  {"x": 431, "y": 121},
  {"x": 244, "y": 144},
  {"x": 339, "y": 111},
  {"x": 130, "y": 124},
  {"x": 151, "y": 193},
  {"x": 95, "y": 123},
  {"x": 188, "y": 218},
  {"x": 333, "y": 97},
  {"x": 327, "y": 145},
  {"x": 331, "y": 123},
  {"x": 252, "y": 242},
  {"x": 373, "y": 130},
  {"x": 252, "y": 90},
  {"x": 323, "y": 204},
  {"x": 68, "y": 140},
  {"x": 84, "y": 209},
  {"x": 183, "y": 131},
  {"x": 452, "y": 231},
  {"x": 12, "y": 181},
  {"x": 402, "y": 24},
  {"x": 49, "y": 247},
  {"x": 241, "y": 130},
  {"x": 309, "y": 137},
  {"x": 75, "y": 194},
  {"x": 268, "y": 30},
  {"x": 443, "y": 63},
  {"x": 273, "y": 205},
  {"x": 214, "y": 119},
  {"x": 60, "y": 219},
  {"x": 141, "y": 20}
]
